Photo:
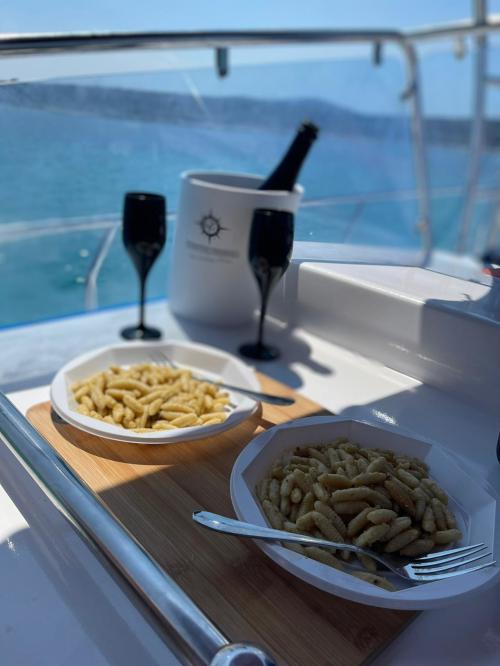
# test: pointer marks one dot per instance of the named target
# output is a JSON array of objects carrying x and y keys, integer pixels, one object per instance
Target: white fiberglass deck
[{"x": 342, "y": 381}]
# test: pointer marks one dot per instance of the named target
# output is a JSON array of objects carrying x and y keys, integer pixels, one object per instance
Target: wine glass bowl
[
  {"x": 144, "y": 234},
  {"x": 269, "y": 252}
]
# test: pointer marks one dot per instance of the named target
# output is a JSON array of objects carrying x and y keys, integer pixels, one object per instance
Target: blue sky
[
  {"x": 447, "y": 83},
  {"x": 27, "y": 15}
]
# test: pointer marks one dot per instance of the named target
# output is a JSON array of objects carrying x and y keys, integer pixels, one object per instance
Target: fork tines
[
  {"x": 161, "y": 358},
  {"x": 431, "y": 567},
  {"x": 444, "y": 553}
]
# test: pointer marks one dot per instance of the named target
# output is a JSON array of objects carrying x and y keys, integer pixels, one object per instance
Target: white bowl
[
  {"x": 473, "y": 502},
  {"x": 202, "y": 359}
]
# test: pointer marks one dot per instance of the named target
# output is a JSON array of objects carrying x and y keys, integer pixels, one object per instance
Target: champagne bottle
[{"x": 286, "y": 173}]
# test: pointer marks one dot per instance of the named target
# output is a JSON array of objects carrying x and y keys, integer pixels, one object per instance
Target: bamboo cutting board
[{"x": 153, "y": 491}]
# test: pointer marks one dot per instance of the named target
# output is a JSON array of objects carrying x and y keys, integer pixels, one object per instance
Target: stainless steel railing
[
  {"x": 198, "y": 638},
  {"x": 85, "y": 42}
]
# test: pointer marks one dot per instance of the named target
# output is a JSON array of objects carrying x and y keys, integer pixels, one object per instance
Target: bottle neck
[{"x": 286, "y": 173}]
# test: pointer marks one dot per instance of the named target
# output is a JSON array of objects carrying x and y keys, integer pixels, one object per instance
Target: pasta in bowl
[
  {"x": 334, "y": 497},
  {"x": 370, "y": 497},
  {"x": 116, "y": 392}
]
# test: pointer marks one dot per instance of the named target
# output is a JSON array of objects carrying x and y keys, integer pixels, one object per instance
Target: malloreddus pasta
[
  {"x": 149, "y": 398},
  {"x": 372, "y": 498}
]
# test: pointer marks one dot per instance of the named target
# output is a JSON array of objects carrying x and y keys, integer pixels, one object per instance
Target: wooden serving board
[{"x": 153, "y": 491}]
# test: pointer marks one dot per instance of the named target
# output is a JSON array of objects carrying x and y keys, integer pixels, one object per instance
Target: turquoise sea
[{"x": 57, "y": 166}]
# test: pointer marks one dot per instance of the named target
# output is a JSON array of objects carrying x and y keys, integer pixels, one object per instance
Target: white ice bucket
[{"x": 210, "y": 277}]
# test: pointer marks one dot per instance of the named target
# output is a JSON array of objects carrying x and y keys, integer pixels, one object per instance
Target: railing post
[
  {"x": 95, "y": 268},
  {"x": 413, "y": 93},
  {"x": 477, "y": 129}
]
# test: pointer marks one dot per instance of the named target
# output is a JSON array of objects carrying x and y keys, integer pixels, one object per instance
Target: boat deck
[{"x": 340, "y": 380}]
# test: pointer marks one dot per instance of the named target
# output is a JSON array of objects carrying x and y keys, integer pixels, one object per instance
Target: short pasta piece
[
  {"x": 371, "y": 534},
  {"x": 350, "y": 508},
  {"x": 378, "y": 516},
  {"x": 447, "y": 536},
  {"x": 418, "y": 547},
  {"x": 273, "y": 514},
  {"x": 323, "y": 556},
  {"x": 401, "y": 540},
  {"x": 359, "y": 522}
]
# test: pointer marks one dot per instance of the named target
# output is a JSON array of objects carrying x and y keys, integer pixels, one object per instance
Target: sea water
[{"x": 57, "y": 166}]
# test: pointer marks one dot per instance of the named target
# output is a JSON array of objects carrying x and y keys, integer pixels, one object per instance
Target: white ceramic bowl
[
  {"x": 202, "y": 359},
  {"x": 473, "y": 502}
]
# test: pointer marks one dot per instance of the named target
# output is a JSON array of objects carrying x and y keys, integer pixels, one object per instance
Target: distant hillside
[{"x": 177, "y": 108}]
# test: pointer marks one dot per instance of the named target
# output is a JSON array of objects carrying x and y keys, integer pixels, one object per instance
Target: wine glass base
[
  {"x": 259, "y": 352},
  {"x": 141, "y": 333}
]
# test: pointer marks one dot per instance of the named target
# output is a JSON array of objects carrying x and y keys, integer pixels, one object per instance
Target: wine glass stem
[
  {"x": 142, "y": 281},
  {"x": 263, "y": 309}
]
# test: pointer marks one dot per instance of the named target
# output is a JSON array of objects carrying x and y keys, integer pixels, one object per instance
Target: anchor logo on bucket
[{"x": 210, "y": 226}]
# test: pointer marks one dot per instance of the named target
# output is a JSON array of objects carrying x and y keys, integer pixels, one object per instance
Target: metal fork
[
  {"x": 421, "y": 570},
  {"x": 160, "y": 357}
]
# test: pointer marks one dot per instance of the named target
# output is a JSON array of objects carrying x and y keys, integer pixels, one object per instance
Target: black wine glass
[
  {"x": 144, "y": 231},
  {"x": 269, "y": 252}
]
